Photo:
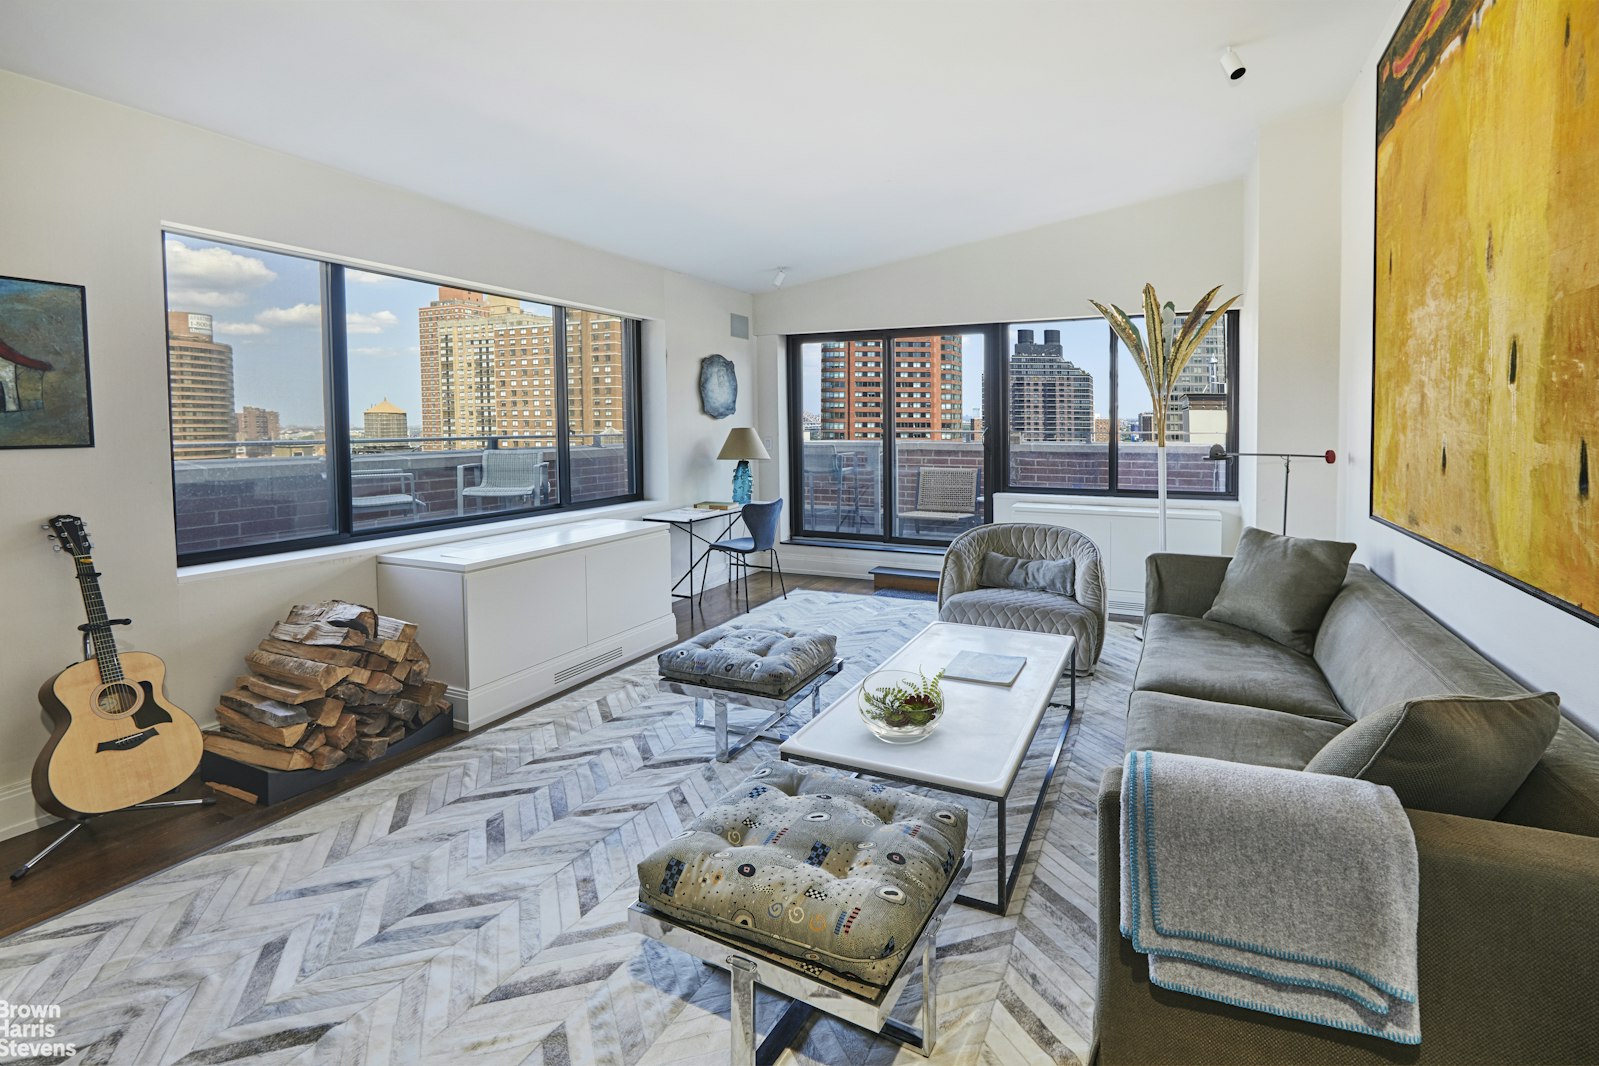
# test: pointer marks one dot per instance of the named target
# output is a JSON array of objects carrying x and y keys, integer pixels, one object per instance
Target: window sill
[
  {"x": 383, "y": 545},
  {"x": 867, "y": 545}
]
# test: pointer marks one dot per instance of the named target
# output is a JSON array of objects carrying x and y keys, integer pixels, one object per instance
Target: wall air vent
[
  {"x": 740, "y": 327},
  {"x": 577, "y": 670}
]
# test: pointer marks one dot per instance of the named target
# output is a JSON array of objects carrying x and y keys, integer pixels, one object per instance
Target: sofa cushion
[
  {"x": 1037, "y": 612},
  {"x": 1562, "y": 792},
  {"x": 830, "y": 871},
  {"x": 1040, "y": 575},
  {"x": 1464, "y": 755},
  {"x": 1281, "y": 587},
  {"x": 766, "y": 660},
  {"x": 1224, "y": 664},
  {"x": 1159, "y": 721},
  {"x": 1376, "y": 649}
]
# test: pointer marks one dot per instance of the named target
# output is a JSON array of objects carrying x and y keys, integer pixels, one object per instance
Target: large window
[
  {"x": 313, "y": 403},
  {"x": 896, "y": 440},
  {"x": 890, "y": 433}
]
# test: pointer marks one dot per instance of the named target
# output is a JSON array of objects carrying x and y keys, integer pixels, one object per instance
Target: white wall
[
  {"x": 1289, "y": 353},
  {"x": 1185, "y": 244},
  {"x": 90, "y": 184},
  {"x": 1544, "y": 647}
]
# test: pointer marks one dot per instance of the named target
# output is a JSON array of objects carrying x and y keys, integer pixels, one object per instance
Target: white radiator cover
[
  {"x": 1126, "y": 535},
  {"x": 511, "y": 618}
]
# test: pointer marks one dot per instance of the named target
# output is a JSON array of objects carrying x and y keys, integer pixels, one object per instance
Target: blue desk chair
[{"x": 761, "y": 519}]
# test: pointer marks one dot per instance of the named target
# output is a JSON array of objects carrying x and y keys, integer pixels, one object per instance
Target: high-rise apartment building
[
  {"x": 254, "y": 425},
  {"x": 488, "y": 370},
  {"x": 1051, "y": 398},
  {"x": 383, "y": 421},
  {"x": 1201, "y": 386},
  {"x": 1206, "y": 371},
  {"x": 595, "y": 378},
  {"x": 200, "y": 376},
  {"x": 924, "y": 374}
]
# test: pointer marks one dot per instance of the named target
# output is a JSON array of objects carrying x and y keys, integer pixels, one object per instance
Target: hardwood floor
[{"x": 119, "y": 849}]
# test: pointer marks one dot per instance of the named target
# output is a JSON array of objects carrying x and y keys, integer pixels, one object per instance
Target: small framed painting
[{"x": 44, "y": 366}]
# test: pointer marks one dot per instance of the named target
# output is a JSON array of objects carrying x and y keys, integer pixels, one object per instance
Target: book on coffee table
[{"x": 985, "y": 668}]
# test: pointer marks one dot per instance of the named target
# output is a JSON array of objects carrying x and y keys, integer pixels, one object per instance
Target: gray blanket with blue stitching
[{"x": 1276, "y": 890}]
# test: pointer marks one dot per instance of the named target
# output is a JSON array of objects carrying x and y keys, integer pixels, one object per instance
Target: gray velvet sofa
[
  {"x": 963, "y": 598},
  {"x": 1509, "y": 919}
]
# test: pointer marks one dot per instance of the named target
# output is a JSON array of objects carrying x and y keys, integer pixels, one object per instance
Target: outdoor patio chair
[
  {"x": 944, "y": 494},
  {"x": 384, "y": 490},
  {"x": 507, "y": 474}
]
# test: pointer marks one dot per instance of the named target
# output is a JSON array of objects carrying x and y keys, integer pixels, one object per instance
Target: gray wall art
[{"x": 718, "y": 386}]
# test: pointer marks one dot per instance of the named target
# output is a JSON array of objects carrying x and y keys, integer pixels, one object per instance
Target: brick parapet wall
[
  {"x": 225, "y": 503},
  {"x": 1033, "y": 466}
]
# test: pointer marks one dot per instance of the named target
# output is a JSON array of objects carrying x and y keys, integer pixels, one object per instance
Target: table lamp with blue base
[{"x": 743, "y": 444}]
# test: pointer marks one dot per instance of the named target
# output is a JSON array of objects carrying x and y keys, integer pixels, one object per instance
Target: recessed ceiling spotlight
[
  {"x": 1232, "y": 64},
  {"x": 777, "y": 279}
]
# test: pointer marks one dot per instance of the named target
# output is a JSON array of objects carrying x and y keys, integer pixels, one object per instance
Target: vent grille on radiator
[{"x": 578, "y": 669}]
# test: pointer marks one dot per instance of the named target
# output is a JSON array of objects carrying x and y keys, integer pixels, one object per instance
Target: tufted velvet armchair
[{"x": 961, "y": 599}]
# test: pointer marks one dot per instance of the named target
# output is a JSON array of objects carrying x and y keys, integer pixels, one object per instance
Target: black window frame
[
  {"x": 996, "y": 428},
  {"x": 336, "y": 416},
  {"x": 992, "y": 337}
]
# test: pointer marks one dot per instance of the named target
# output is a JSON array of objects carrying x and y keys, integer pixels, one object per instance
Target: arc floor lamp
[{"x": 1220, "y": 454}]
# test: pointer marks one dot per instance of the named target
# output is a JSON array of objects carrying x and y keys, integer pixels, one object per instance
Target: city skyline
[
  {"x": 1078, "y": 349},
  {"x": 488, "y": 367},
  {"x": 267, "y": 307},
  {"x": 264, "y": 309}
]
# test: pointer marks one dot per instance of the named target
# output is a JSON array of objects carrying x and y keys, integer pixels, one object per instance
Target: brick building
[
  {"x": 925, "y": 374},
  {"x": 488, "y": 369}
]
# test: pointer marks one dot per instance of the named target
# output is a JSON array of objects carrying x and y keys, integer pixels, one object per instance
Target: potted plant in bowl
[{"x": 901, "y": 707}]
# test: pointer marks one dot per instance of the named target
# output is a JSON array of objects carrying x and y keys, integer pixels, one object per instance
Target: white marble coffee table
[{"x": 978, "y": 745}]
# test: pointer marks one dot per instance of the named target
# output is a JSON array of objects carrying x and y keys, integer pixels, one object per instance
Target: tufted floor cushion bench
[
  {"x": 834, "y": 877},
  {"x": 765, "y": 660},
  {"x": 764, "y": 667}
]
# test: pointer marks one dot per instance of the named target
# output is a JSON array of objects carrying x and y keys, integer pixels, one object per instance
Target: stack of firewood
[{"x": 334, "y": 681}]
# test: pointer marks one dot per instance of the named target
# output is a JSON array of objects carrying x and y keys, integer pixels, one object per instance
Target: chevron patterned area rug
[{"x": 471, "y": 904}]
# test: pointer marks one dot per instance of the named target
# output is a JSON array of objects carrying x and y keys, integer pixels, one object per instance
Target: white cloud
[
  {"x": 362, "y": 277},
  {"x": 401, "y": 352},
  {"x": 214, "y": 271},
  {"x": 239, "y": 329},
  {"x": 298, "y": 315},
  {"x": 183, "y": 299},
  {"x": 377, "y": 322}
]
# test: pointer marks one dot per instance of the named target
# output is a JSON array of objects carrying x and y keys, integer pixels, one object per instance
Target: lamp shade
[{"x": 742, "y": 443}]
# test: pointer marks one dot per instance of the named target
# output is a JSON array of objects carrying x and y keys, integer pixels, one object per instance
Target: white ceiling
[{"x": 724, "y": 139}]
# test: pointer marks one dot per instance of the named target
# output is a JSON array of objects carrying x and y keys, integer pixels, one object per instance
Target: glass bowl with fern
[{"x": 901, "y": 706}]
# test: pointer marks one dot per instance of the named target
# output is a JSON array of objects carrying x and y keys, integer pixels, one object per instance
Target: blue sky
[{"x": 268, "y": 307}]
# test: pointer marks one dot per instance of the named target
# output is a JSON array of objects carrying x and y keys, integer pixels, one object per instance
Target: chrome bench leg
[
  {"x": 722, "y": 754},
  {"x": 741, "y": 1011},
  {"x": 929, "y": 989}
]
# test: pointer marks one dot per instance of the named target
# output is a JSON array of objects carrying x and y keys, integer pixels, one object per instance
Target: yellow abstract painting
[{"x": 1485, "y": 420}]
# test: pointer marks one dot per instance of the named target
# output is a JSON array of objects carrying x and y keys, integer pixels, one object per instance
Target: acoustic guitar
[{"x": 118, "y": 741}]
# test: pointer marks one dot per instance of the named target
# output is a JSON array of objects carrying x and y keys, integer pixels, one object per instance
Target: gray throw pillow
[
  {"x": 1045, "y": 575},
  {"x": 1463, "y": 755},
  {"x": 1281, "y": 587}
]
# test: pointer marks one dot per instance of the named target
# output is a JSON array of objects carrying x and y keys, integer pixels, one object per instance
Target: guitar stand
[{"x": 27, "y": 867}]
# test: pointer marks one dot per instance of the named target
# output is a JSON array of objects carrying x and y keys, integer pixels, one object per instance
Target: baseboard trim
[{"x": 18, "y": 813}]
